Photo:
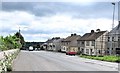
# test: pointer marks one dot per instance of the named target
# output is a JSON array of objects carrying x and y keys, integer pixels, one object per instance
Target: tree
[
  {"x": 9, "y": 42},
  {"x": 2, "y": 44},
  {"x": 21, "y": 38}
]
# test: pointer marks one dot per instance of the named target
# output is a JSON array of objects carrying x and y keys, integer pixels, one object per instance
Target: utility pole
[
  {"x": 19, "y": 34},
  {"x": 113, "y": 14},
  {"x": 118, "y": 35}
]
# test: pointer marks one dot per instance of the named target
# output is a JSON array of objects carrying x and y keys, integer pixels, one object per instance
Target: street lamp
[
  {"x": 113, "y": 14},
  {"x": 20, "y": 35}
]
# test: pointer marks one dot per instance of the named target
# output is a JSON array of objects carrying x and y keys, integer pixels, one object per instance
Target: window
[
  {"x": 99, "y": 51},
  {"x": 93, "y": 43},
  {"x": 64, "y": 48},
  {"x": 112, "y": 38},
  {"x": 87, "y": 43},
  {"x": 112, "y": 49},
  {"x": 82, "y": 43},
  {"x": 87, "y": 51},
  {"x": 53, "y": 45},
  {"x": 78, "y": 42},
  {"x": 78, "y": 48},
  {"x": 74, "y": 49},
  {"x": 67, "y": 43},
  {"x": 108, "y": 50},
  {"x": 50, "y": 45},
  {"x": 118, "y": 38},
  {"x": 108, "y": 39}
]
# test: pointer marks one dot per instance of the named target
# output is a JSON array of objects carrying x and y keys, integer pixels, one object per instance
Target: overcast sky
[{"x": 40, "y": 21}]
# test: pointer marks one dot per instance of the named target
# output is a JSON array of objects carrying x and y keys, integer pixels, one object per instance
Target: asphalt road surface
[{"x": 53, "y": 61}]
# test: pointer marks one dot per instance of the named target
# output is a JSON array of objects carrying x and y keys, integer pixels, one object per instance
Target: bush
[
  {"x": 103, "y": 58},
  {"x": 6, "y": 63}
]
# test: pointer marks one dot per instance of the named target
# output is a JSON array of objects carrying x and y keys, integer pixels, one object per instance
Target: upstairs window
[
  {"x": 108, "y": 39},
  {"x": 118, "y": 38},
  {"x": 82, "y": 43},
  {"x": 112, "y": 38},
  {"x": 87, "y": 43},
  {"x": 93, "y": 43},
  {"x": 53, "y": 45},
  {"x": 78, "y": 42}
]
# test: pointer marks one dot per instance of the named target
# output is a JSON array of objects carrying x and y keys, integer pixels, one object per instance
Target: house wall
[
  {"x": 50, "y": 46},
  {"x": 72, "y": 49},
  {"x": 57, "y": 44},
  {"x": 113, "y": 44},
  {"x": 81, "y": 47},
  {"x": 89, "y": 50},
  {"x": 64, "y": 48},
  {"x": 101, "y": 44}
]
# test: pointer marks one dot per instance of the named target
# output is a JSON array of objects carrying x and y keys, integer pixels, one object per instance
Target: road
[{"x": 53, "y": 61}]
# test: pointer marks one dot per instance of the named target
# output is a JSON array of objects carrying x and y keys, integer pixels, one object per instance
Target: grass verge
[{"x": 103, "y": 58}]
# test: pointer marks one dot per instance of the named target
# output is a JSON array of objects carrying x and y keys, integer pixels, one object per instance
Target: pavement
[{"x": 54, "y": 61}]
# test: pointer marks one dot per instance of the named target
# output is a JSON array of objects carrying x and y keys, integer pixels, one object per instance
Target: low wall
[{"x": 6, "y": 59}]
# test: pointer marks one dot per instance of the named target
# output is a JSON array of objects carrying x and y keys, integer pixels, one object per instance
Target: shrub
[
  {"x": 6, "y": 63},
  {"x": 103, "y": 58}
]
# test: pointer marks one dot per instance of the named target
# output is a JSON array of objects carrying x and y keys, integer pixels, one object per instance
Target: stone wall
[{"x": 6, "y": 59}]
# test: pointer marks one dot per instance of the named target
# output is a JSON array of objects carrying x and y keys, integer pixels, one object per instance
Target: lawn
[{"x": 103, "y": 58}]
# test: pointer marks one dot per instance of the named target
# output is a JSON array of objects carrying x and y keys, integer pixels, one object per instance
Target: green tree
[
  {"x": 21, "y": 38},
  {"x": 2, "y": 44},
  {"x": 9, "y": 42}
]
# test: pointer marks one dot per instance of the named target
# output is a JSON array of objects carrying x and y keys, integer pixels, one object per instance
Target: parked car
[
  {"x": 71, "y": 53},
  {"x": 31, "y": 48}
]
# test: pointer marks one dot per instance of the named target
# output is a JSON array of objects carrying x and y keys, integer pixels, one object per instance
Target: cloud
[
  {"x": 36, "y": 28},
  {"x": 76, "y": 9}
]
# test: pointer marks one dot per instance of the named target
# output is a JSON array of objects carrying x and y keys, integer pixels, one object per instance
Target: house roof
[
  {"x": 116, "y": 30},
  {"x": 91, "y": 36},
  {"x": 71, "y": 38},
  {"x": 49, "y": 40},
  {"x": 52, "y": 40}
]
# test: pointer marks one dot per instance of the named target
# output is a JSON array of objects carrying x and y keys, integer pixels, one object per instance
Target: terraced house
[
  {"x": 49, "y": 44},
  {"x": 93, "y": 43},
  {"x": 54, "y": 44},
  {"x": 113, "y": 40},
  {"x": 70, "y": 43},
  {"x": 57, "y": 44}
]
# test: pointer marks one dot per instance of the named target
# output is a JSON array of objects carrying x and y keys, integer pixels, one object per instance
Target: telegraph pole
[
  {"x": 113, "y": 14},
  {"x": 118, "y": 35},
  {"x": 19, "y": 35}
]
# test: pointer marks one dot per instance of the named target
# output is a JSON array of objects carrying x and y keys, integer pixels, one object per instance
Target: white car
[{"x": 31, "y": 48}]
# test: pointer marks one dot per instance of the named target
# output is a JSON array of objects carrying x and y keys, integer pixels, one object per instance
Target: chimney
[
  {"x": 57, "y": 38},
  {"x": 72, "y": 34},
  {"x": 98, "y": 30},
  {"x": 75, "y": 34},
  {"x": 92, "y": 31}
]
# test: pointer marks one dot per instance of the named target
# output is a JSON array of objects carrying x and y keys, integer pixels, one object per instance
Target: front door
[{"x": 90, "y": 51}]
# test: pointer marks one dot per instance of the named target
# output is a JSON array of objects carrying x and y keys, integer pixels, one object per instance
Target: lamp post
[
  {"x": 113, "y": 14},
  {"x": 19, "y": 35}
]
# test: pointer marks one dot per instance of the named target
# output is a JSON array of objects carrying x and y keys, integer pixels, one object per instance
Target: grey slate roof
[
  {"x": 116, "y": 29},
  {"x": 91, "y": 36},
  {"x": 71, "y": 38}
]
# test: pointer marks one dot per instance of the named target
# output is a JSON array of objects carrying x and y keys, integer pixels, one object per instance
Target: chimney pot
[
  {"x": 92, "y": 31},
  {"x": 75, "y": 34},
  {"x": 72, "y": 34},
  {"x": 98, "y": 30}
]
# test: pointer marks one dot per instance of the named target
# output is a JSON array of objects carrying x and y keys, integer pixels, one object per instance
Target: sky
[{"x": 39, "y": 21}]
